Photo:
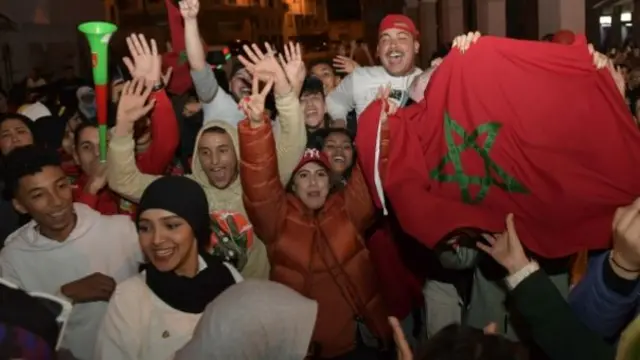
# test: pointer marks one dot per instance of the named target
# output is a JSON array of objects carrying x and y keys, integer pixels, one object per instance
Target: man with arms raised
[
  {"x": 68, "y": 250},
  {"x": 397, "y": 46}
]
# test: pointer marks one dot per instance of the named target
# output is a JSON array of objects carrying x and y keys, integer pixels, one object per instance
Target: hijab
[
  {"x": 254, "y": 319},
  {"x": 185, "y": 198}
]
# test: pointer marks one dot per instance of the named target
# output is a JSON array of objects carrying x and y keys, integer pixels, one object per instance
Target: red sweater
[{"x": 154, "y": 161}]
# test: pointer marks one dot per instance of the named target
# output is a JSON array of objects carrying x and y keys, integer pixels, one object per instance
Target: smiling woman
[{"x": 153, "y": 314}]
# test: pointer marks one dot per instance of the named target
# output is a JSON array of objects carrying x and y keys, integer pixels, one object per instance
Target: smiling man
[
  {"x": 67, "y": 250},
  {"x": 397, "y": 48}
]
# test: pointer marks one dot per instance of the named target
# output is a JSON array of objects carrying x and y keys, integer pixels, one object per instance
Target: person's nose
[
  {"x": 157, "y": 238},
  {"x": 215, "y": 158}
]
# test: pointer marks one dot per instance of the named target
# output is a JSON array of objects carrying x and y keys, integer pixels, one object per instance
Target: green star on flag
[
  {"x": 502, "y": 179},
  {"x": 182, "y": 57}
]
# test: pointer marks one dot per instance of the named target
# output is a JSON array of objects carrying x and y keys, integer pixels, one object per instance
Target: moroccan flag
[
  {"x": 525, "y": 127},
  {"x": 180, "y": 81}
]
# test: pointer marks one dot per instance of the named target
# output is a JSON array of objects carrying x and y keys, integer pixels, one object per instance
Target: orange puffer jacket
[{"x": 320, "y": 254}]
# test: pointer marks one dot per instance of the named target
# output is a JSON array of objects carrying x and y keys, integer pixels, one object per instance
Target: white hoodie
[{"x": 99, "y": 243}]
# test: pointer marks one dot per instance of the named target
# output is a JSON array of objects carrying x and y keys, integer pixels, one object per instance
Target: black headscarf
[{"x": 185, "y": 198}]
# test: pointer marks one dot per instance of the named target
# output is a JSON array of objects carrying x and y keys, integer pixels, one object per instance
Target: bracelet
[{"x": 614, "y": 262}]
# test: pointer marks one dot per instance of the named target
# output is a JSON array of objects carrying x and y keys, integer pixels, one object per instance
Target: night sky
[{"x": 341, "y": 10}]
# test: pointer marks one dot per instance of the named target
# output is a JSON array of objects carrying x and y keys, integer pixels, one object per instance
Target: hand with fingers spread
[
  {"x": 189, "y": 9},
  {"x": 625, "y": 255},
  {"x": 266, "y": 65},
  {"x": 293, "y": 66},
  {"x": 145, "y": 61},
  {"x": 506, "y": 248},
  {"x": 402, "y": 346},
  {"x": 345, "y": 64},
  {"x": 253, "y": 106},
  {"x": 133, "y": 105},
  {"x": 463, "y": 42}
]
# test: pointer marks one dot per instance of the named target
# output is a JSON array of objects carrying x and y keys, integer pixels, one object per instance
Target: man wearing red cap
[{"x": 397, "y": 47}]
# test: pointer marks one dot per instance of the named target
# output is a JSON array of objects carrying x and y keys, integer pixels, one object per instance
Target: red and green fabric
[
  {"x": 99, "y": 35},
  {"x": 180, "y": 81},
  {"x": 531, "y": 128}
]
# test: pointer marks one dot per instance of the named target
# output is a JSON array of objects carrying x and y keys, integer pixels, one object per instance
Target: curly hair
[{"x": 26, "y": 161}]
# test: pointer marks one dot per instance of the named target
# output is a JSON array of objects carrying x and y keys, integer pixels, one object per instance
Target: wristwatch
[
  {"x": 515, "y": 279},
  {"x": 158, "y": 86}
]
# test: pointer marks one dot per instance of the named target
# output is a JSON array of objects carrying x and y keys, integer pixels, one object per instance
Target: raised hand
[
  {"x": 463, "y": 42},
  {"x": 253, "y": 106},
  {"x": 145, "y": 61},
  {"x": 266, "y": 66},
  {"x": 189, "y": 9},
  {"x": 345, "y": 64},
  {"x": 506, "y": 248},
  {"x": 293, "y": 66},
  {"x": 133, "y": 104}
]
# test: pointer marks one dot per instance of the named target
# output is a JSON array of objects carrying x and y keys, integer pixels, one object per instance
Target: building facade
[
  {"x": 439, "y": 21},
  {"x": 45, "y": 36},
  {"x": 227, "y": 21}
]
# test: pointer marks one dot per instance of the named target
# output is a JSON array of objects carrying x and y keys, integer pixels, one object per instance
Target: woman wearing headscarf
[
  {"x": 153, "y": 314},
  {"x": 313, "y": 232},
  {"x": 268, "y": 319}
]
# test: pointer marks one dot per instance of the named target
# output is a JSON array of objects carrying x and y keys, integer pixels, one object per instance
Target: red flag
[
  {"x": 180, "y": 81},
  {"x": 512, "y": 126}
]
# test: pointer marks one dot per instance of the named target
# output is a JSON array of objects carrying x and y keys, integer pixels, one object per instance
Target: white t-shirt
[{"x": 359, "y": 89}]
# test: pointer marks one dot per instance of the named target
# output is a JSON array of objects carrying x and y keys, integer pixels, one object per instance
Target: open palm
[
  {"x": 145, "y": 61},
  {"x": 293, "y": 64},
  {"x": 258, "y": 63}
]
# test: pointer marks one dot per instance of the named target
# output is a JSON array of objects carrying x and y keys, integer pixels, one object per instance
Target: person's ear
[
  {"x": 416, "y": 47},
  {"x": 18, "y": 206}
]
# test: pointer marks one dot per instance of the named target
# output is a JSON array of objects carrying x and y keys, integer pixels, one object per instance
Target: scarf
[{"x": 191, "y": 295}]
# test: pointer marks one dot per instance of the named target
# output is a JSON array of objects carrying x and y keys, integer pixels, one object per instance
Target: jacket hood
[
  {"x": 214, "y": 194},
  {"x": 29, "y": 238}
]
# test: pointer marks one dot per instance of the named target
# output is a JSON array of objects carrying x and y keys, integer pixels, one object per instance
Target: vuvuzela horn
[{"x": 99, "y": 34}]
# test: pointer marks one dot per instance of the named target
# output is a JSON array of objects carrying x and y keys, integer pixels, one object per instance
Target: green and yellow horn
[{"x": 99, "y": 34}]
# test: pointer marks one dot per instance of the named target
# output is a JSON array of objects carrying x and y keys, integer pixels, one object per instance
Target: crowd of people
[{"x": 241, "y": 219}]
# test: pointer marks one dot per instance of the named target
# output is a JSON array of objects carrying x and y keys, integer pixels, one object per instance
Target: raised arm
[
  {"x": 145, "y": 63},
  {"x": 203, "y": 79},
  {"x": 122, "y": 172},
  {"x": 291, "y": 140},
  {"x": 164, "y": 136},
  {"x": 263, "y": 194}
]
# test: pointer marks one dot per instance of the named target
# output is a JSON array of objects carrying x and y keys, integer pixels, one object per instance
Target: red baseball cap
[
  {"x": 565, "y": 37},
  {"x": 313, "y": 155},
  {"x": 398, "y": 21}
]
